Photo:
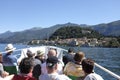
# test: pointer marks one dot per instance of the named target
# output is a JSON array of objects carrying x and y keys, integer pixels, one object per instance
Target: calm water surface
[{"x": 106, "y": 57}]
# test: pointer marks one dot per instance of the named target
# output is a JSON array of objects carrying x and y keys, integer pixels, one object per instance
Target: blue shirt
[{"x": 9, "y": 60}]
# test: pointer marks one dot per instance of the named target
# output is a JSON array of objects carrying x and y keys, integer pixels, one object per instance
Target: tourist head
[
  {"x": 10, "y": 48},
  {"x": 52, "y": 52},
  {"x": 26, "y": 65},
  {"x": 40, "y": 53},
  {"x": 79, "y": 56},
  {"x": 70, "y": 50},
  {"x": 51, "y": 61},
  {"x": 88, "y": 65},
  {"x": 30, "y": 52}
]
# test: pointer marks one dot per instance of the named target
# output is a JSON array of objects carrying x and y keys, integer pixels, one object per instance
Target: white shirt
[
  {"x": 93, "y": 76},
  {"x": 1, "y": 78},
  {"x": 44, "y": 70},
  {"x": 53, "y": 76}
]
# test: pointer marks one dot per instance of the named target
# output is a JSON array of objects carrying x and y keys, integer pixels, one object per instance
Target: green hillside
[{"x": 74, "y": 32}]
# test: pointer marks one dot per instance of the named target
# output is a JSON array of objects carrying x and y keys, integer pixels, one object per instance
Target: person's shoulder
[
  {"x": 94, "y": 75},
  {"x": 98, "y": 76},
  {"x": 44, "y": 77},
  {"x": 37, "y": 61},
  {"x": 1, "y": 78},
  {"x": 32, "y": 78},
  {"x": 43, "y": 64},
  {"x": 67, "y": 54},
  {"x": 4, "y": 54},
  {"x": 10, "y": 77},
  {"x": 19, "y": 77},
  {"x": 70, "y": 64},
  {"x": 12, "y": 56},
  {"x": 62, "y": 77}
]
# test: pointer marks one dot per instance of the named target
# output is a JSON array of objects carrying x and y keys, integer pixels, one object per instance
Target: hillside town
[{"x": 82, "y": 42}]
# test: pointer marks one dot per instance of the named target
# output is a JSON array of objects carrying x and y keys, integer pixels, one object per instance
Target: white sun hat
[{"x": 9, "y": 47}]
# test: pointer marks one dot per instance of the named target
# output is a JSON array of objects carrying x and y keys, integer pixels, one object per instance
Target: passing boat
[{"x": 60, "y": 53}]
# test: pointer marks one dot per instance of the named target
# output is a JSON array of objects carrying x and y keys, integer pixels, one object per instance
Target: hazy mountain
[
  {"x": 112, "y": 28},
  {"x": 6, "y": 34},
  {"x": 30, "y": 34},
  {"x": 109, "y": 29}
]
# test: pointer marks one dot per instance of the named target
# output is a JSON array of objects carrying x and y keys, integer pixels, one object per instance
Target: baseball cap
[{"x": 51, "y": 61}]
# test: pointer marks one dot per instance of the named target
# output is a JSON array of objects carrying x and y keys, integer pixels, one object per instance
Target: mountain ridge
[{"x": 107, "y": 29}]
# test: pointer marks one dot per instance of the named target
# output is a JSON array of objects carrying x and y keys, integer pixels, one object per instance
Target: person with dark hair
[
  {"x": 75, "y": 68},
  {"x": 88, "y": 67},
  {"x": 37, "y": 63},
  {"x": 52, "y": 67},
  {"x": 26, "y": 68},
  {"x": 31, "y": 54},
  {"x": 69, "y": 56}
]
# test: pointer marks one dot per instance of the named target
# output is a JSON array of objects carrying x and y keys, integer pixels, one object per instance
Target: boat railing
[{"x": 108, "y": 71}]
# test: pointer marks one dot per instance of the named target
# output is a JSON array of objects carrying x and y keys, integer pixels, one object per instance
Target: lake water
[{"x": 106, "y": 57}]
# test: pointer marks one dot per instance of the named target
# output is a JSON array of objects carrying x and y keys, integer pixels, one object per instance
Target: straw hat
[
  {"x": 9, "y": 48},
  {"x": 39, "y": 53}
]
